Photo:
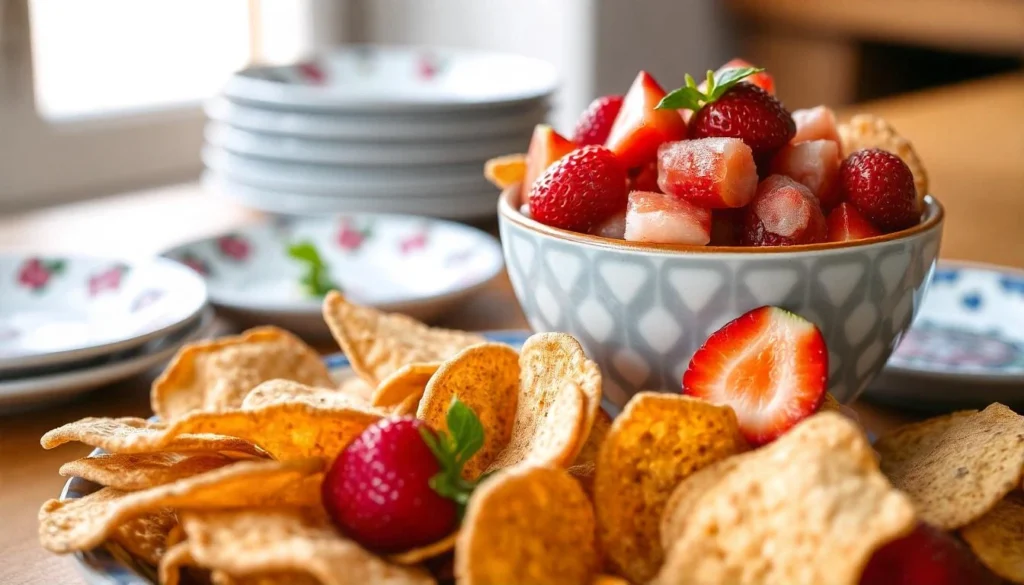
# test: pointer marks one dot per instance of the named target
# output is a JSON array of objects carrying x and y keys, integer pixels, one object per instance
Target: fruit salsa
[{"x": 720, "y": 163}]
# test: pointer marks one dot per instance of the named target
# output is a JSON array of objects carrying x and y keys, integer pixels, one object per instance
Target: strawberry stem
[{"x": 690, "y": 97}]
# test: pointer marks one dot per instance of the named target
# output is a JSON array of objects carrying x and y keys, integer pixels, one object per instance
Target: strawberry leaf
[
  {"x": 690, "y": 97},
  {"x": 721, "y": 82},
  {"x": 452, "y": 449},
  {"x": 684, "y": 98}
]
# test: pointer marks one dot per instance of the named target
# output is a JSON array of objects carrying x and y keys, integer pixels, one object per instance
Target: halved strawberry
[
  {"x": 770, "y": 366},
  {"x": 546, "y": 146},
  {"x": 845, "y": 223},
  {"x": 761, "y": 79},
  {"x": 640, "y": 129}
]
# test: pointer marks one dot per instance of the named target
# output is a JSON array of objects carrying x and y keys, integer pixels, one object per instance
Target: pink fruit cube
[
  {"x": 658, "y": 218},
  {"x": 817, "y": 123},
  {"x": 613, "y": 227},
  {"x": 714, "y": 173},
  {"x": 815, "y": 164},
  {"x": 783, "y": 213}
]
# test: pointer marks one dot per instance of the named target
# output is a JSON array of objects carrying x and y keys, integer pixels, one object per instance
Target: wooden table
[{"x": 968, "y": 136}]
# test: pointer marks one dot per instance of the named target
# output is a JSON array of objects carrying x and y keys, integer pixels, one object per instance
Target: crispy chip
[
  {"x": 959, "y": 471},
  {"x": 409, "y": 380},
  {"x": 357, "y": 388},
  {"x": 121, "y": 435},
  {"x": 830, "y": 404},
  {"x": 218, "y": 374},
  {"x": 598, "y": 432},
  {"x": 505, "y": 171},
  {"x": 407, "y": 407},
  {"x": 486, "y": 378},
  {"x": 809, "y": 508},
  {"x": 176, "y": 535},
  {"x": 550, "y": 364},
  {"x": 657, "y": 441},
  {"x": 899, "y": 445},
  {"x": 869, "y": 131},
  {"x": 285, "y": 578},
  {"x": 609, "y": 580},
  {"x": 378, "y": 344},
  {"x": 684, "y": 498},
  {"x": 418, "y": 555},
  {"x": 290, "y": 430},
  {"x": 81, "y": 524},
  {"x": 277, "y": 391},
  {"x": 245, "y": 543},
  {"x": 997, "y": 538},
  {"x": 584, "y": 473},
  {"x": 145, "y": 537},
  {"x": 527, "y": 525},
  {"x": 173, "y": 562},
  {"x": 131, "y": 472}
]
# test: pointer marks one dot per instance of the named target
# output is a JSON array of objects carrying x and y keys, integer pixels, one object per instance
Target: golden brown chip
[
  {"x": 684, "y": 498},
  {"x": 962, "y": 469},
  {"x": 997, "y": 538},
  {"x": 584, "y": 473},
  {"x": 285, "y": 578},
  {"x": 176, "y": 535},
  {"x": 550, "y": 364},
  {"x": 901, "y": 444},
  {"x": 407, "y": 407},
  {"x": 218, "y": 374},
  {"x": 486, "y": 378},
  {"x": 171, "y": 564},
  {"x": 592, "y": 446},
  {"x": 609, "y": 580},
  {"x": 133, "y": 435},
  {"x": 829, "y": 404},
  {"x": 246, "y": 543},
  {"x": 809, "y": 508},
  {"x": 130, "y": 472},
  {"x": 378, "y": 344},
  {"x": 869, "y": 131},
  {"x": 527, "y": 525},
  {"x": 505, "y": 171},
  {"x": 278, "y": 391},
  {"x": 357, "y": 388},
  {"x": 657, "y": 441},
  {"x": 418, "y": 555},
  {"x": 145, "y": 537},
  {"x": 81, "y": 524},
  {"x": 409, "y": 380}
]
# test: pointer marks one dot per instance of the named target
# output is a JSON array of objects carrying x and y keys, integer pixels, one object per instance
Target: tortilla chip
[
  {"x": 584, "y": 473},
  {"x": 285, "y": 578},
  {"x": 407, "y": 407},
  {"x": 378, "y": 344},
  {"x": 997, "y": 538},
  {"x": 486, "y": 378},
  {"x": 176, "y": 535},
  {"x": 592, "y": 446},
  {"x": 246, "y": 543},
  {"x": 901, "y": 444},
  {"x": 83, "y": 523},
  {"x": 609, "y": 580},
  {"x": 173, "y": 562},
  {"x": 131, "y": 435},
  {"x": 418, "y": 555},
  {"x": 870, "y": 131},
  {"x": 505, "y": 171},
  {"x": 829, "y": 404},
  {"x": 527, "y": 525},
  {"x": 218, "y": 374},
  {"x": 810, "y": 508},
  {"x": 549, "y": 364},
  {"x": 657, "y": 441},
  {"x": 962, "y": 468},
  {"x": 684, "y": 498},
  {"x": 278, "y": 391},
  {"x": 357, "y": 388},
  {"x": 409, "y": 380},
  {"x": 145, "y": 537},
  {"x": 131, "y": 472}
]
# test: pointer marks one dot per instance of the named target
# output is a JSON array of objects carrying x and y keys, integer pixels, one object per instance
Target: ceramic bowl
[{"x": 641, "y": 310}]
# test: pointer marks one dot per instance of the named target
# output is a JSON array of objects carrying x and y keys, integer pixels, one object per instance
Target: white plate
[
  {"x": 347, "y": 181},
  {"x": 21, "y": 394},
  {"x": 459, "y": 205},
  {"x": 339, "y": 152},
  {"x": 412, "y": 265},
  {"x": 376, "y": 128},
  {"x": 383, "y": 78},
  {"x": 56, "y": 309}
]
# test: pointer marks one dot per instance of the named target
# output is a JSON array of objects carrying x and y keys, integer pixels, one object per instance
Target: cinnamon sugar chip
[
  {"x": 139, "y": 471},
  {"x": 408, "y": 381},
  {"x": 997, "y": 538}
]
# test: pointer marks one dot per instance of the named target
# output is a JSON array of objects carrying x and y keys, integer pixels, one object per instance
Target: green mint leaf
[
  {"x": 728, "y": 78},
  {"x": 466, "y": 431},
  {"x": 684, "y": 98}
]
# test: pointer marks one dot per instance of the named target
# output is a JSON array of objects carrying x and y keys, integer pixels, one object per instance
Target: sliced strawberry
[
  {"x": 644, "y": 178},
  {"x": 814, "y": 163},
  {"x": 817, "y": 123},
  {"x": 658, "y": 218},
  {"x": 581, "y": 190},
  {"x": 770, "y": 366},
  {"x": 546, "y": 146},
  {"x": 845, "y": 223},
  {"x": 715, "y": 173},
  {"x": 761, "y": 79},
  {"x": 596, "y": 121},
  {"x": 783, "y": 213},
  {"x": 640, "y": 128}
]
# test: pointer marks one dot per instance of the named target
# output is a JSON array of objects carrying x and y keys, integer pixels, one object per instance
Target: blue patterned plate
[{"x": 111, "y": 565}]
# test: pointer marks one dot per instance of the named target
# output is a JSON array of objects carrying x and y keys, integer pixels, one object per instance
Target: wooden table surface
[{"x": 969, "y": 137}]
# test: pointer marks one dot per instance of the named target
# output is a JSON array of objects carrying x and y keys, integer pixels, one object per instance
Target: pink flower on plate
[
  {"x": 36, "y": 273},
  {"x": 312, "y": 72},
  {"x": 428, "y": 66},
  {"x": 108, "y": 280},
  {"x": 195, "y": 263},
  {"x": 350, "y": 238},
  {"x": 413, "y": 242},
  {"x": 234, "y": 247}
]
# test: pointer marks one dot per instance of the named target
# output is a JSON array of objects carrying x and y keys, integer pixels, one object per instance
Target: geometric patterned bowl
[{"x": 642, "y": 310}]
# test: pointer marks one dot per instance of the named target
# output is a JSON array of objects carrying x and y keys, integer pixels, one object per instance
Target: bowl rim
[{"x": 508, "y": 209}]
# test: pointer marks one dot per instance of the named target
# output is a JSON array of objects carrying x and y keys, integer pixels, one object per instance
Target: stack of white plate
[
  {"x": 71, "y": 324},
  {"x": 374, "y": 129}
]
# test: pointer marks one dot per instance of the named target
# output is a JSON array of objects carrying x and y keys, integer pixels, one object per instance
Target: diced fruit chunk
[
  {"x": 505, "y": 171},
  {"x": 815, "y": 164},
  {"x": 817, "y": 123},
  {"x": 769, "y": 365},
  {"x": 725, "y": 227},
  {"x": 714, "y": 173},
  {"x": 645, "y": 178},
  {"x": 596, "y": 121},
  {"x": 761, "y": 79},
  {"x": 658, "y": 218},
  {"x": 880, "y": 185},
  {"x": 546, "y": 146},
  {"x": 845, "y": 223},
  {"x": 783, "y": 213},
  {"x": 614, "y": 227},
  {"x": 579, "y": 191},
  {"x": 925, "y": 556},
  {"x": 640, "y": 128}
]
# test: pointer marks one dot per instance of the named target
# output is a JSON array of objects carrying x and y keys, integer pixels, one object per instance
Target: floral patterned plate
[
  {"x": 55, "y": 310},
  {"x": 414, "y": 265}
]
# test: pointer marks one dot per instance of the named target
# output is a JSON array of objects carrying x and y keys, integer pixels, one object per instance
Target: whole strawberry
[
  {"x": 880, "y": 185},
  {"x": 398, "y": 485},
  {"x": 733, "y": 108},
  {"x": 596, "y": 121},
  {"x": 580, "y": 190}
]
